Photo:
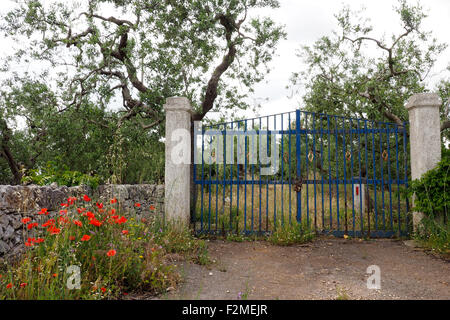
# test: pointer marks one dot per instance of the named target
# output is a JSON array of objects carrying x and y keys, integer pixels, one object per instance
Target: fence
[{"x": 337, "y": 175}]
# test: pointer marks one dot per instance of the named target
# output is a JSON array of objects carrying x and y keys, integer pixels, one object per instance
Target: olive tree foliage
[
  {"x": 343, "y": 78},
  {"x": 129, "y": 56}
]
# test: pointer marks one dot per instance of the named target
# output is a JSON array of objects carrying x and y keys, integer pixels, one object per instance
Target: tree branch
[
  {"x": 445, "y": 125},
  {"x": 211, "y": 89}
]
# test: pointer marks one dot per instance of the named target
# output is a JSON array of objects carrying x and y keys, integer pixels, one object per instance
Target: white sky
[{"x": 307, "y": 21}]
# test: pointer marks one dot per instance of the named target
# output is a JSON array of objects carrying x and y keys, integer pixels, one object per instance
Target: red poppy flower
[
  {"x": 86, "y": 198},
  {"x": 99, "y": 205},
  {"x": 103, "y": 289},
  {"x": 90, "y": 215},
  {"x": 78, "y": 223},
  {"x": 9, "y": 285},
  {"x": 62, "y": 211},
  {"x": 29, "y": 244},
  {"x": 85, "y": 238},
  {"x": 23, "y": 285},
  {"x": 113, "y": 211},
  {"x": 54, "y": 230},
  {"x": 95, "y": 222},
  {"x": 152, "y": 207},
  {"x": 54, "y": 275},
  {"x": 26, "y": 220},
  {"x": 32, "y": 225},
  {"x": 43, "y": 211},
  {"x": 64, "y": 204},
  {"x": 71, "y": 200},
  {"x": 63, "y": 220},
  {"x": 121, "y": 220},
  {"x": 38, "y": 240},
  {"x": 49, "y": 223},
  {"x": 138, "y": 205},
  {"x": 114, "y": 200},
  {"x": 125, "y": 232},
  {"x": 71, "y": 238},
  {"x": 111, "y": 253}
]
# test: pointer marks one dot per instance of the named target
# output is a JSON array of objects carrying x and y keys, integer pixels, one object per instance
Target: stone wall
[{"x": 17, "y": 202}]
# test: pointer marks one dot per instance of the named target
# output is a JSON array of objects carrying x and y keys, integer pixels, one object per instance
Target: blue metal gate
[{"x": 329, "y": 173}]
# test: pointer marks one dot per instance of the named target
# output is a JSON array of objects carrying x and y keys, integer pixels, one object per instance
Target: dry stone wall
[{"x": 17, "y": 202}]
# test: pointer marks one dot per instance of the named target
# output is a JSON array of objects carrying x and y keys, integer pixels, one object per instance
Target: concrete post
[
  {"x": 424, "y": 137},
  {"x": 178, "y": 159}
]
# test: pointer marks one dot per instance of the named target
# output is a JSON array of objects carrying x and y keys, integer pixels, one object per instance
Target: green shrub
[
  {"x": 432, "y": 190},
  {"x": 61, "y": 175},
  {"x": 432, "y": 197}
]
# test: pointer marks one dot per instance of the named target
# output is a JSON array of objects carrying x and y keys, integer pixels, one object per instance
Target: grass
[
  {"x": 279, "y": 206},
  {"x": 290, "y": 234},
  {"x": 434, "y": 234},
  {"x": 116, "y": 253},
  {"x": 342, "y": 294}
]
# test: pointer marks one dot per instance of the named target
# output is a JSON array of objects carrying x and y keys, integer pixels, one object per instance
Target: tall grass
[
  {"x": 116, "y": 253},
  {"x": 434, "y": 235}
]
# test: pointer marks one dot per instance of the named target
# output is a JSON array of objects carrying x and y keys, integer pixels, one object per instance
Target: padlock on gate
[{"x": 298, "y": 182}]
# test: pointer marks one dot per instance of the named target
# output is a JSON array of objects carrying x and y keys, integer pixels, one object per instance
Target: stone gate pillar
[
  {"x": 178, "y": 159},
  {"x": 424, "y": 137}
]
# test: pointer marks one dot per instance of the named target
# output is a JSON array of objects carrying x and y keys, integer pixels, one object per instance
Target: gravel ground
[{"x": 324, "y": 269}]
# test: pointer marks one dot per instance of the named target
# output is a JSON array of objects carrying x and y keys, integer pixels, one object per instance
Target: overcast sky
[{"x": 306, "y": 21}]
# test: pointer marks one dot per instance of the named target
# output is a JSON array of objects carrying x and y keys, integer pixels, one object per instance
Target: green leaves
[
  {"x": 344, "y": 77},
  {"x": 432, "y": 189}
]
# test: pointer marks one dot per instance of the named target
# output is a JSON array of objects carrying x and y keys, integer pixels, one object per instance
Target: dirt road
[{"x": 323, "y": 269}]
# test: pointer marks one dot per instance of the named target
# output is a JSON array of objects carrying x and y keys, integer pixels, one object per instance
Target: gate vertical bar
[
  {"x": 352, "y": 177},
  {"x": 366, "y": 192},
  {"x": 337, "y": 170},
  {"x": 298, "y": 162},
  {"x": 259, "y": 141},
  {"x": 231, "y": 148},
  {"x": 374, "y": 175},
  {"x": 322, "y": 171},
  {"x": 314, "y": 166},
  {"x": 290, "y": 180},
  {"x": 209, "y": 184},
  {"x": 307, "y": 167},
  {"x": 329, "y": 172},
  {"x": 253, "y": 138},
  {"x": 216, "y": 149},
  {"x": 224, "y": 173},
  {"x": 238, "y": 185},
  {"x": 267, "y": 181},
  {"x": 194, "y": 214},
  {"x": 202, "y": 180},
  {"x": 344, "y": 153},
  {"x": 382, "y": 181},
  {"x": 274, "y": 178},
  {"x": 245, "y": 176},
  {"x": 389, "y": 175},
  {"x": 282, "y": 172},
  {"x": 397, "y": 175},
  {"x": 361, "y": 221}
]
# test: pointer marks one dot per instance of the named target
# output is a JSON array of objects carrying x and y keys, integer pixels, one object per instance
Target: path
[{"x": 324, "y": 269}]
